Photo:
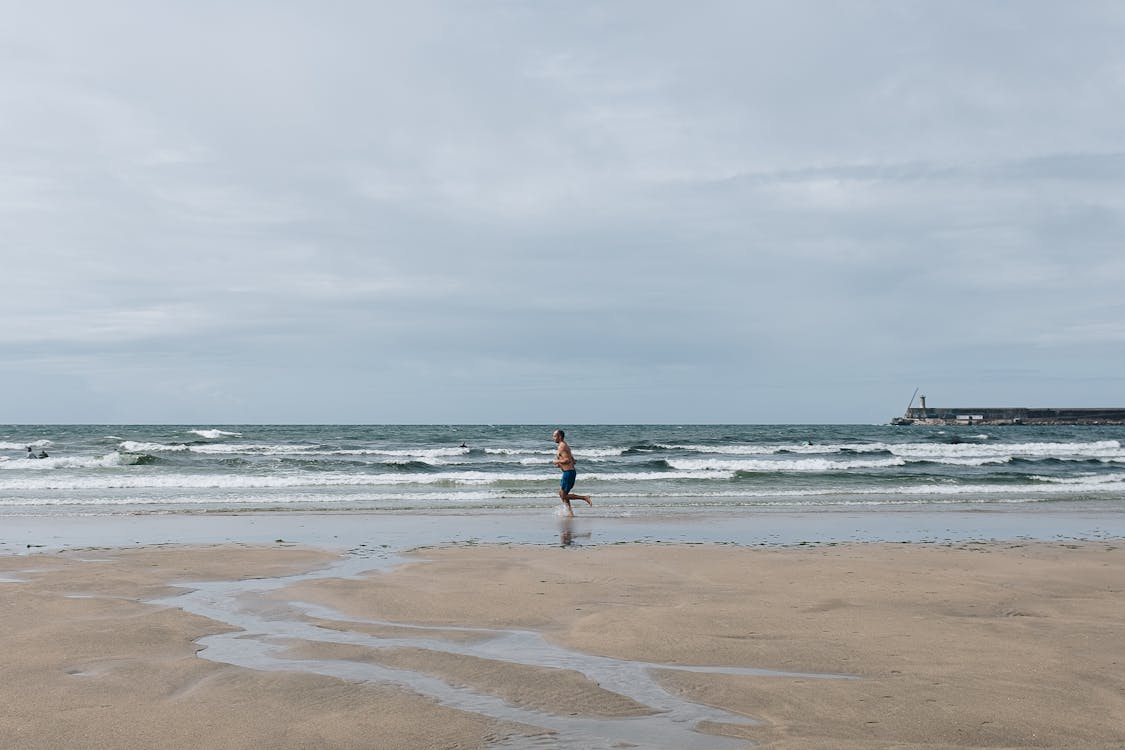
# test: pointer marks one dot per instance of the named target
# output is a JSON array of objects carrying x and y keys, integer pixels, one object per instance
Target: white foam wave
[
  {"x": 165, "y": 481},
  {"x": 963, "y": 454},
  {"x": 303, "y": 492},
  {"x": 816, "y": 465},
  {"x": 397, "y": 500},
  {"x": 735, "y": 450},
  {"x": 25, "y": 445},
  {"x": 216, "y": 449},
  {"x": 259, "y": 449},
  {"x": 1109, "y": 449},
  {"x": 67, "y": 462},
  {"x": 251, "y": 481},
  {"x": 894, "y": 496},
  {"x": 136, "y": 446},
  {"x": 985, "y": 489},
  {"x": 597, "y": 452},
  {"x": 214, "y": 434},
  {"x": 1097, "y": 449},
  {"x": 644, "y": 476},
  {"x": 970, "y": 461},
  {"x": 773, "y": 449},
  {"x": 592, "y": 453},
  {"x": 1087, "y": 480},
  {"x": 412, "y": 452},
  {"x": 195, "y": 481}
]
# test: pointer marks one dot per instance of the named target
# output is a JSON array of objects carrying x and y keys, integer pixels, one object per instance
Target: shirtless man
[{"x": 564, "y": 459}]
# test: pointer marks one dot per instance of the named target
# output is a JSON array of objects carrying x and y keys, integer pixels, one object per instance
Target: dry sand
[{"x": 974, "y": 645}]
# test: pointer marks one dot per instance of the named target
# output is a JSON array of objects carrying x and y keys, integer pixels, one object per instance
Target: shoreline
[
  {"x": 652, "y": 645},
  {"x": 346, "y": 530}
]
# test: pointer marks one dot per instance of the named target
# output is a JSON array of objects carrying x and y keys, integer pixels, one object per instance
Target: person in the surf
[{"x": 564, "y": 459}]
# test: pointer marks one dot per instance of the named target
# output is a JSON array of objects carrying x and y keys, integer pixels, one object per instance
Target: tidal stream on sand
[{"x": 266, "y": 628}]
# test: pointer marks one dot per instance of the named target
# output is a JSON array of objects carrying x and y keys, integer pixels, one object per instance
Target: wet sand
[
  {"x": 867, "y": 645},
  {"x": 396, "y": 531}
]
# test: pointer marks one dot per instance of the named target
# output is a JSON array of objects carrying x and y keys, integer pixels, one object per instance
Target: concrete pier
[{"x": 1010, "y": 415}]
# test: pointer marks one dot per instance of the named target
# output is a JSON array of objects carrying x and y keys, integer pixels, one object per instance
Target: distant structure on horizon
[{"x": 993, "y": 415}]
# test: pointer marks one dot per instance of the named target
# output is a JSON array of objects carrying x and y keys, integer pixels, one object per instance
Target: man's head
[{"x": 558, "y": 436}]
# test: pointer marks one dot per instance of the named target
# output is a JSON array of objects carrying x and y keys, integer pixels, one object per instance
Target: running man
[{"x": 564, "y": 459}]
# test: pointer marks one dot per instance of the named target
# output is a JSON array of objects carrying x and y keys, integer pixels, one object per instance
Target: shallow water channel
[{"x": 266, "y": 629}]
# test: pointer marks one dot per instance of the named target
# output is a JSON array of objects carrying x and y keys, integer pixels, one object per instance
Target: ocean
[{"x": 630, "y": 470}]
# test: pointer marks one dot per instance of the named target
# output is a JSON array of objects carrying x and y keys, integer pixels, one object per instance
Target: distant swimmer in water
[
  {"x": 30, "y": 453},
  {"x": 564, "y": 459},
  {"x": 42, "y": 454}
]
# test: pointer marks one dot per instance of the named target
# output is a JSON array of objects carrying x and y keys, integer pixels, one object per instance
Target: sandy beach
[{"x": 997, "y": 645}]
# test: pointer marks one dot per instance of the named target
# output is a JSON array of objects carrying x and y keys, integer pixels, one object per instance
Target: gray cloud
[{"x": 494, "y": 211}]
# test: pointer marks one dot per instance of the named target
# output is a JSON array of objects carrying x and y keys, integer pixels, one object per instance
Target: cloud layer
[{"x": 508, "y": 212}]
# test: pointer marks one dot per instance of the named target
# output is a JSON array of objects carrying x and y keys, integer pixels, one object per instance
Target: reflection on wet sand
[{"x": 568, "y": 534}]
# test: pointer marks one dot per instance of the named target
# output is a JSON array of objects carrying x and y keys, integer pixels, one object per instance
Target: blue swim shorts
[{"x": 567, "y": 480}]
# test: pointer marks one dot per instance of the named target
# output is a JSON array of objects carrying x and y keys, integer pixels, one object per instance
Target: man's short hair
[{"x": 561, "y": 433}]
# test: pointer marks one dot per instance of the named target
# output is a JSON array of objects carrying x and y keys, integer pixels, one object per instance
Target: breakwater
[{"x": 1011, "y": 415}]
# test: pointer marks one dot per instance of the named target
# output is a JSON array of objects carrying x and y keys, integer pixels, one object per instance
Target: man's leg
[
  {"x": 566, "y": 501},
  {"x": 572, "y": 496}
]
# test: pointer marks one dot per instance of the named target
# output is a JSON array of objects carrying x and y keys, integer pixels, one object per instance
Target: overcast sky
[{"x": 558, "y": 212}]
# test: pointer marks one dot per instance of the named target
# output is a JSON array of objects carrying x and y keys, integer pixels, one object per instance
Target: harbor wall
[{"x": 1015, "y": 415}]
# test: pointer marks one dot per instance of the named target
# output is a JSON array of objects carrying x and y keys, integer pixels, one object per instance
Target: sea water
[{"x": 629, "y": 469}]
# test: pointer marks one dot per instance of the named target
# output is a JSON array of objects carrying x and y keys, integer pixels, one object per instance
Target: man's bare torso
[{"x": 564, "y": 459}]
